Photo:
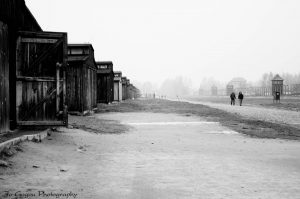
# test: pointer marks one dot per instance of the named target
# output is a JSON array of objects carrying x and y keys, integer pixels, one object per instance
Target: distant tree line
[
  {"x": 177, "y": 87},
  {"x": 172, "y": 87}
]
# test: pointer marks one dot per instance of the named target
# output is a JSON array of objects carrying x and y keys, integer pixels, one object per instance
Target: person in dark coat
[
  {"x": 241, "y": 97},
  {"x": 232, "y": 97}
]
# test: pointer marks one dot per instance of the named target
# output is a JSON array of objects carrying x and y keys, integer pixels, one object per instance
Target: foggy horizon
[{"x": 159, "y": 40}]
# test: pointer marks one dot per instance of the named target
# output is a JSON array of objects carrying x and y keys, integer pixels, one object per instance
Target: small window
[
  {"x": 86, "y": 51},
  {"x": 76, "y": 51}
]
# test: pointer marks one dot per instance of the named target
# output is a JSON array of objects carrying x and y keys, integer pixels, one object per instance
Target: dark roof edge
[
  {"x": 104, "y": 62},
  {"x": 82, "y": 44}
]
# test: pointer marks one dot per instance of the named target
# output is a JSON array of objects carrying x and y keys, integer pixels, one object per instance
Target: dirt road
[
  {"x": 258, "y": 113},
  {"x": 159, "y": 156}
]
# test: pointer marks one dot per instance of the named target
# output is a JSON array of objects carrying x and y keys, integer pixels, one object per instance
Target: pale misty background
[{"x": 166, "y": 44}]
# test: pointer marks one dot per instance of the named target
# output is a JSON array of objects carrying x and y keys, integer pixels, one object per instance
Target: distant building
[
  {"x": 277, "y": 84},
  {"x": 238, "y": 83},
  {"x": 117, "y": 86}
]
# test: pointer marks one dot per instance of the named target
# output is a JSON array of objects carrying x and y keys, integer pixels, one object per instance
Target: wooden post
[
  {"x": 58, "y": 65},
  {"x": 65, "y": 65}
]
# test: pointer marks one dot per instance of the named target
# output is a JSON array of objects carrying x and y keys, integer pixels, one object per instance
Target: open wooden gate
[{"x": 41, "y": 60}]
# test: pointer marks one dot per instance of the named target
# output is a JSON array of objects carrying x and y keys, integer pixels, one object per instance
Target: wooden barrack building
[
  {"x": 81, "y": 79},
  {"x": 128, "y": 91},
  {"x": 105, "y": 82},
  {"x": 117, "y": 86},
  {"x": 32, "y": 70},
  {"x": 124, "y": 88}
]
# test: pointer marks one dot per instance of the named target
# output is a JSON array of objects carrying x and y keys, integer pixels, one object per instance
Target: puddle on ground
[
  {"x": 226, "y": 132},
  {"x": 167, "y": 123}
]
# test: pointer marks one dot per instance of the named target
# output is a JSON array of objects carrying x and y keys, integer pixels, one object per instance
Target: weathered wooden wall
[
  {"x": 105, "y": 82},
  {"x": 17, "y": 16},
  {"x": 91, "y": 88},
  {"x": 128, "y": 95},
  {"x": 116, "y": 90},
  {"x": 118, "y": 86},
  {"x": 81, "y": 87},
  {"x": 4, "y": 79},
  {"x": 130, "y": 91},
  {"x": 102, "y": 88},
  {"x": 81, "y": 78},
  {"x": 105, "y": 87},
  {"x": 74, "y": 87},
  {"x": 124, "y": 96},
  {"x": 94, "y": 87},
  {"x": 40, "y": 96},
  {"x": 124, "y": 89}
]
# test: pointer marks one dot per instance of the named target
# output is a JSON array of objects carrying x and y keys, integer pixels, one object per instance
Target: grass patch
[{"x": 99, "y": 126}]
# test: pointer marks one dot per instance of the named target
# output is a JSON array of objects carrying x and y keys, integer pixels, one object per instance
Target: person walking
[
  {"x": 232, "y": 97},
  {"x": 241, "y": 97}
]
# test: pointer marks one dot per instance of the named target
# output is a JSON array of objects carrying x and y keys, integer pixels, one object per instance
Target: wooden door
[
  {"x": 123, "y": 91},
  {"x": 40, "y": 78},
  {"x": 102, "y": 88},
  {"x": 4, "y": 79},
  {"x": 110, "y": 88},
  {"x": 116, "y": 91}
]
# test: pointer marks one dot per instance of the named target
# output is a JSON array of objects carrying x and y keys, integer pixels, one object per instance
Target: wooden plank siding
[
  {"x": 128, "y": 96},
  {"x": 81, "y": 79},
  {"x": 17, "y": 16},
  {"x": 124, "y": 89},
  {"x": 74, "y": 87},
  {"x": 40, "y": 78},
  {"x": 105, "y": 82},
  {"x": 117, "y": 86},
  {"x": 91, "y": 88},
  {"x": 4, "y": 79}
]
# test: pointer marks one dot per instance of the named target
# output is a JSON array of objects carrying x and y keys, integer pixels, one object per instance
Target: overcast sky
[{"x": 158, "y": 39}]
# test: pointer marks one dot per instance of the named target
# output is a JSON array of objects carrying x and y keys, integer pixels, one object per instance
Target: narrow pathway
[{"x": 258, "y": 113}]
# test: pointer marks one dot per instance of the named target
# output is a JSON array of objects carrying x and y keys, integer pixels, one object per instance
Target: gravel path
[{"x": 259, "y": 113}]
